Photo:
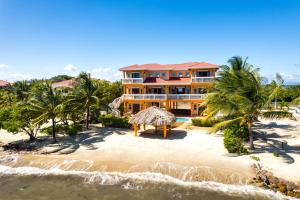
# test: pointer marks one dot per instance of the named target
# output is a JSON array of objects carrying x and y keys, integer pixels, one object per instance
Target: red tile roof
[
  {"x": 183, "y": 66},
  {"x": 66, "y": 83},
  {"x": 4, "y": 83},
  {"x": 172, "y": 80}
]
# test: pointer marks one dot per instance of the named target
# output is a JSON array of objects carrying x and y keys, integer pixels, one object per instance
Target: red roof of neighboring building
[
  {"x": 4, "y": 83},
  {"x": 183, "y": 66},
  {"x": 66, "y": 83},
  {"x": 172, "y": 80}
]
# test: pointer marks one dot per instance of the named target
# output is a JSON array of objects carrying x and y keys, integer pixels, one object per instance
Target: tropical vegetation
[
  {"x": 241, "y": 97},
  {"x": 36, "y": 106}
]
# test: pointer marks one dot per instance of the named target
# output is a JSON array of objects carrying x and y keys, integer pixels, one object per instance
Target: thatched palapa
[{"x": 153, "y": 116}]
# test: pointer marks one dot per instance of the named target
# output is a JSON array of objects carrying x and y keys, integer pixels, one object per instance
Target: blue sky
[{"x": 42, "y": 38}]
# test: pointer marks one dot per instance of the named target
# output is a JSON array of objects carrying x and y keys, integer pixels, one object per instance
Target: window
[
  {"x": 163, "y": 74},
  {"x": 195, "y": 106},
  {"x": 180, "y": 74},
  {"x": 203, "y": 74},
  {"x": 174, "y": 74},
  {"x": 135, "y": 75},
  {"x": 187, "y": 74}
]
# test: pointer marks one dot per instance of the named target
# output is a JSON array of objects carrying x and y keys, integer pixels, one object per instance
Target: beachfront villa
[
  {"x": 178, "y": 88},
  {"x": 63, "y": 84},
  {"x": 4, "y": 84}
]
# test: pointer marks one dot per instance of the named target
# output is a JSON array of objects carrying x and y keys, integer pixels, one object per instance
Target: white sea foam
[{"x": 134, "y": 180}]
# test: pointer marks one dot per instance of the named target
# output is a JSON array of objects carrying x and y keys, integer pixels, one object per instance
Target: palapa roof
[{"x": 153, "y": 116}]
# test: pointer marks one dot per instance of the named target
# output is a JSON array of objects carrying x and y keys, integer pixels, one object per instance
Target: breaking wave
[{"x": 137, "y": 180}]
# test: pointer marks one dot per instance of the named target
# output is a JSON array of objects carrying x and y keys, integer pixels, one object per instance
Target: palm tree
[
  {"x": 277, "y": 90},
  {"x": 46, "y": 103},
  {"x": 240, "y": 97},
  {"x": 84, "y": 95},
  {"x": 21, "y": 89}
]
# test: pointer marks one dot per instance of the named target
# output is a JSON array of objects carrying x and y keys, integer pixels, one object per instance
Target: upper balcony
[
  {"x": 171, "y": 81},
  {"x": 132, "y": 80}
]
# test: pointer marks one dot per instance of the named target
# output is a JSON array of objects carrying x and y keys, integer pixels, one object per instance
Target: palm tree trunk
[
  {"x": 31, "y": 137},
  {"x": 53, "y": 130},
  {"x": 251, "y": 144},
  {"x": 87, "y": 117}
]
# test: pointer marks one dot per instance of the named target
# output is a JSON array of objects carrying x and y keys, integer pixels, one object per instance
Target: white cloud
[
  {"x": 20, "y": 76},
  {"x": 3, "y": 66},
  {"x": 106, "y": 73},
  {"x": 290, "y": 76},
  {"x": 12, "y": 77},
  {"x": 70, "y": 68}
]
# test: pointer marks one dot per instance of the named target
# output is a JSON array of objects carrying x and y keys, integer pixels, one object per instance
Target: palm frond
[
  {"x": 296, "y": 101},
  {"x": 225, "y": 124}
]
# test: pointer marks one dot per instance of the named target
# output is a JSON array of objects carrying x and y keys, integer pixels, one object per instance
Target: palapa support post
[
  {"x": 144, "y": 126},
  {"x": 155, "y": 129},
  {"x": 165, "y": 131},
  {"x": 170, "y": 129},
  {"x": 135, "y": 129}
]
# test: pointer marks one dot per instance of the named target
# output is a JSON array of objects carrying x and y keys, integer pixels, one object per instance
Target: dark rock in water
[{"x": 266, "y": 179}]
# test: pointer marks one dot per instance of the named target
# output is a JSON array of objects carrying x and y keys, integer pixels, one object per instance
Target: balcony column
[{"x": 167, "y": 101}]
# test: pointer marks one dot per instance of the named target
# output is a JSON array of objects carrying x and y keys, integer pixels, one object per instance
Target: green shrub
[
  {"x": 257, "y": 159},
  {"x": 234, "y": 138},
  {"x": 112, "y": 121},
  {"x": 276, "y": 154},
  {"x": 205, "y": 122}
]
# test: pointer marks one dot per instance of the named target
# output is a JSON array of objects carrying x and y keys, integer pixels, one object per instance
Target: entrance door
[
  {"x": 135, "y": 90},
  {"x": 135, "y": 108}
]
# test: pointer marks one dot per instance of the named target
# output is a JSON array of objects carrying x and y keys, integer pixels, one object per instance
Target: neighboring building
[
  {"x": 64, "y": 84},
  {"x": 4, "y": 84},
  {"x": 179, "y": 88}
]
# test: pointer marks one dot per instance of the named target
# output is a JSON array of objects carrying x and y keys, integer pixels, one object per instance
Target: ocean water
[{"x": 18, "y": 181}]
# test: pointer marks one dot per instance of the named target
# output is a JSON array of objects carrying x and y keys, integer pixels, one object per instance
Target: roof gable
[{"x": 183, "y": 66}]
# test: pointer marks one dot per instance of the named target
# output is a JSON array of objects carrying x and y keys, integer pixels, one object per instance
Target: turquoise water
[{"x": 181, "y": 119}]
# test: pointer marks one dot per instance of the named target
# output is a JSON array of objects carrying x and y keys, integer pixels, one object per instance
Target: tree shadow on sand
[
  {"x": 272, "y": 125},
  {"x": 273, "y": 142},
  {"x": 65, "y": 144},
  {"x": 174, "y": 135}
]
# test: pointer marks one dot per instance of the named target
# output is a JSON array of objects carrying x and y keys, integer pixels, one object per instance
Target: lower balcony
[
  {"x": 164, "y": 96},
  {"x": 207, "y": 79}
]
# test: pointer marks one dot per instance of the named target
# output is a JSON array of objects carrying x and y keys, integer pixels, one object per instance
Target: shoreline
[{"x": 193, "y": 152}]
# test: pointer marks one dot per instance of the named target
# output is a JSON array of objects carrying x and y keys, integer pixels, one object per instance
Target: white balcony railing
[
  {"x": 203, "y": 79},
  {"x": 186, "y": 96},
  {"x": 132, "y": 80},
  {"x": 164, "y": 96},
  {"x": 145, "y": 96}
]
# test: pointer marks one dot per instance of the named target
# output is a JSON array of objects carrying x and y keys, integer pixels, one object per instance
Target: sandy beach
[{"x": 192, "y": 152}]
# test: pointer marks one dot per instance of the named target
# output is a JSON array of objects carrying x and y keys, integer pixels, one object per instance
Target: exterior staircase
[{"x": 115, "y": 105}]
